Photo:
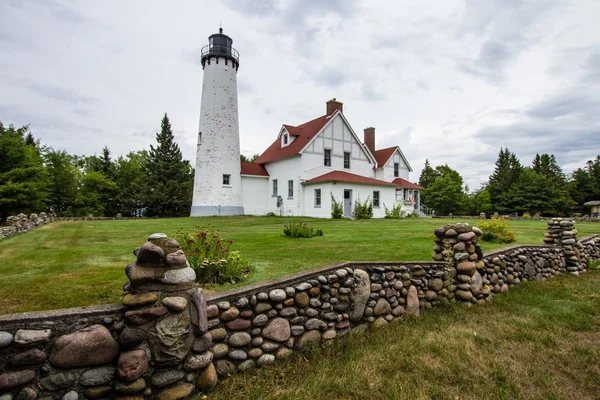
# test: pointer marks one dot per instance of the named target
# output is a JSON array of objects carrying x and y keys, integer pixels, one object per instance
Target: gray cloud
[
  {"x": 61, "y": 94},
  {"x": 331, "y": 76}
]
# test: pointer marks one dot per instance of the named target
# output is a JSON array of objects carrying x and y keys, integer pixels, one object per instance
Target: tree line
[
  {"x": 542, "y": 188},
  {"x": 35, "y": 178}
]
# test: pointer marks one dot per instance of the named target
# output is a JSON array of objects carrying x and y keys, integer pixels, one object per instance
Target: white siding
[
  {"x": 284, "y": 170},
  {"x": 387, "y": 173},
  {"x": 309, "y": 201},
  {"x": 337, "y": 137},
  {"x": 255, "y": 195},
  {"x": 361, "y": 193}
]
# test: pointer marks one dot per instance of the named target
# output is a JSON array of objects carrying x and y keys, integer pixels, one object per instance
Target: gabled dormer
[{"x": 285, "y": 137}]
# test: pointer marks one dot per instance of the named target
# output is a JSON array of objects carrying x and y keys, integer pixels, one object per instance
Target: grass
[
  {"x": 70, "y": 264},
  {"x": 539, "y": 341}
]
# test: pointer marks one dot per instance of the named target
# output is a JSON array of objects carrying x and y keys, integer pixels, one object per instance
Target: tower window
[
  {"x": 290, "y": 189},
  {"x": 226, "y": 179},
  {"x": 347, "y": 159},
  {"x": 327, "y": 158},
  {"x": 274, "y": 187},
  {"x": 396, "y": 169}
]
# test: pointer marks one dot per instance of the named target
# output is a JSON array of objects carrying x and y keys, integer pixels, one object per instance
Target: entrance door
[{"x": 347, "y": 203}]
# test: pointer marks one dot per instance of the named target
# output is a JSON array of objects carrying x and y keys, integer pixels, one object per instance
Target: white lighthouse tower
[{"x": 217, "y": 183}]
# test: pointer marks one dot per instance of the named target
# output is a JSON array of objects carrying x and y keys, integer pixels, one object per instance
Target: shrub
[
  {"x": 301, "y": 230},
  {"x": 337, "y": 208},
  {"x": 497, "y": 230},
  {"x": 526, "y": 215},
  {"x": 364, "y": 210},
  {"x": 395, "y": 212},
  {"x": 211, "y": 256}
]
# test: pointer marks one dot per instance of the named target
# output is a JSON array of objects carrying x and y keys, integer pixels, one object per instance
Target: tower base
[{"x": 209, "y": 211}]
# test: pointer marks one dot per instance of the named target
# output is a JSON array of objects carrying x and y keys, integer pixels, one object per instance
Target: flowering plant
[{"x": 211, "y": 256}]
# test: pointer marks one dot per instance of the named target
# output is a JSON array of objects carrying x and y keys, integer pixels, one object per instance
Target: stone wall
[
  {"x": 22, "y": 223},
  {"x": 167, "y": 340}
]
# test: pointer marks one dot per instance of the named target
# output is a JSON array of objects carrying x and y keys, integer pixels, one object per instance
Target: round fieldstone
[
  {"x": 329, "y": 334},
  {"x": 246, "y": 365},
  {"x": 207, "y": 380},
  {"x": 220, "y": 350},
  {"x": 288, "y": 312},
  {"x": 176, "y": 304},
  {"x": 87, "y": 347},
  {"x": 230, "y": 314},
  {"x": 379, "y": 322},
  {"x": 198, "y": 361},
  {"x": 29, "y": 357},
  {"x": 30, "y": 337},
  {"x": 238, "y": 324},
  {"x": 58, "y": 381},
  {"x": 166, "y": 377},
  {"x": 130, "y": 338},
  {"x": 202, "y": 343},
  {"x": 132, "y": 364},
  {"x": 297, "y": 330},
  {"x": 255, "y": 352},
  {"x": 265, "y": 359},
  {"x": 11, "y": 380},
  {"x": 150, "y": 253},
  {"x": 307, "y": 339},
  {"x": 225, "y": 367},
  {"x": 72, "y": 395},
  {"x": 6, "y": 339},
  {"x": 315, "y": 324},
  {"x": 240, "y": 339},
  {"x": 257, "y": 341},
  {"x": 262, "y": 307},
  {"x": 130, "y": 387},
  {"x": 464, "y": 295},
  {"x": 218, "y": 334},
  {"x": 97, "y": 376},
  {"x": 269, "y": 347},
  {"x": 177, "y": 392},
  {"x": 27, "y": 394},
  {"x": 139, "y": 299},
  {"x": 97, "y": 392},
  {"x": 237, "y": 355},
  {"x": 436, "y": 284},
  {"x": 283, "y": 352},
  {"x": 382, "y": 307},
  {"x": 260, "y": 320},
  {"x": 311, "y": 312},
  {"x": 212, "y": 311},
  {"x": 277, "y": 330},
  {"x": 301, "y": 299},
  {"x": 277, "y": 295}
]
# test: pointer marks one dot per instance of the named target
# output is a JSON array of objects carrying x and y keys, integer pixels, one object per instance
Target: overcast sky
[{"x": 448, "y": 80}]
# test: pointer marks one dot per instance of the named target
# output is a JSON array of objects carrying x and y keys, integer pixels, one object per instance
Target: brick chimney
[
  {"x": 370, "y": 138},
  {"x": 333, "y": 105}
]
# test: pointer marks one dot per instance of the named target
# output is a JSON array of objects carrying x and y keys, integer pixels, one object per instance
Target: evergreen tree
[
  {"x": 63, "y": 180},
  {"x": 446, "y": 194},
  {"x": 428, "y": 175},
  {"x": 533, "y": 193},
  {"x": 507, "y": 172},
  {"x": 129, "y": 179},
  {"x": 23, "y": 177},
  {"x": 168, "y": 178},
  {"x": 106, "y": 165}
]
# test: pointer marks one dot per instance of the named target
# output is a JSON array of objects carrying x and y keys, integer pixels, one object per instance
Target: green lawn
[
  {"x": 70, "y": 264},
  {"x": 539, "y": 341}
]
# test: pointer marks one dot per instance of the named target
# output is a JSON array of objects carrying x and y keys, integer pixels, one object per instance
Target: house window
[
  {"x": 375, "y": 198},
  {"x": 226, "y": 179},
  {"x": 317, "y": 197},
  {"x": 290, "y": 189},
  {"x": 327, "y": 158},
  {"x": 274, "y": 187},
  {"x": 285, "y": 139},
  {"x": 347, "y": 159},
  {"x": 396, "y": 169},
  {"x": 406, "y": 194}
]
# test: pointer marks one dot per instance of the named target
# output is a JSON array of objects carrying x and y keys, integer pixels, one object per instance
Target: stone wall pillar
[
  {"x": 457, "y": 244},
  {"x": 165, "y": 347},
  {"x": 561, "y": 232}
]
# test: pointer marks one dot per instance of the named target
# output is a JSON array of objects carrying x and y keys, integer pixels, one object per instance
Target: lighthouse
[{"x": 217, "y": 180}]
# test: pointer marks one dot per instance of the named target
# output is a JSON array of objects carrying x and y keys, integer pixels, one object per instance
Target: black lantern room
[{"x": 220, "y": 46}]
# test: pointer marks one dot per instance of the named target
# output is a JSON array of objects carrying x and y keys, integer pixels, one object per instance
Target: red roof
[
  {"x": 382, "y": 156},
  {"x": 252, "y": 168},
  {"x": 341, "y": 176},
  {"x": 303, "y": 134},
  {"x": 406, "y": 184}
]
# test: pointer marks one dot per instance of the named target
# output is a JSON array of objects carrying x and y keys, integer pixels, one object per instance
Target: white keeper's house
[{"x": 303, "y": 168}]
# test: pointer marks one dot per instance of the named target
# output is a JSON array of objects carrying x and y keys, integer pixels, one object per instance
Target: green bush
[
  {"x": 211, "y": 256},
  {"x": 301, "y": 230},
  {"x": 497, "y": 230},
  {"x": 337, "y": 208},
  {"x": 526, "y": 215},
  {"x": 395, "y": 212},
  {"x": 363, "y": 210}
]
